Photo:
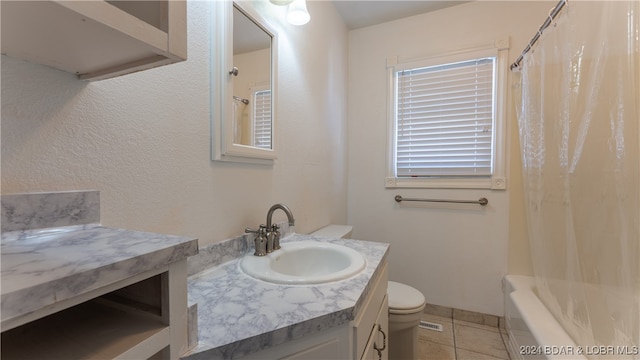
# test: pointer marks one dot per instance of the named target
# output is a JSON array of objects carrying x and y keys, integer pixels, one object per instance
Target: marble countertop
[
  {"x": 239, "y": 315},
  {"x": 41, "y": 267}
]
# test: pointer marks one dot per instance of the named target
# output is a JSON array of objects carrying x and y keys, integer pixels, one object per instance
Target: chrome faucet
[
  {"x": 268, "y": 236},
  {"x": 273, "y": 235}
]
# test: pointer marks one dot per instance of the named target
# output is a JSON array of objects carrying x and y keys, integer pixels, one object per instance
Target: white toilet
[{"x": 405, "y": 307}]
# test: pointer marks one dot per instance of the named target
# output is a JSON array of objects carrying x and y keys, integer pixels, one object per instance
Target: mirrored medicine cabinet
[{"x": 243, "y": 69}]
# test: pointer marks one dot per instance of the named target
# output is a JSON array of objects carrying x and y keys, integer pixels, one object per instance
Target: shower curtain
[
  {"x": 241, "y": 125},
  {"x": 579, "y": 131}
]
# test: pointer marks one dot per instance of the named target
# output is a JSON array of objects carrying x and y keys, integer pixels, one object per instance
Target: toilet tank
[{"x": 334, "y": 231}]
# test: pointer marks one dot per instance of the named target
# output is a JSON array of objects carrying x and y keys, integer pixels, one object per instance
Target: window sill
[{"x": 494, "y": 183}]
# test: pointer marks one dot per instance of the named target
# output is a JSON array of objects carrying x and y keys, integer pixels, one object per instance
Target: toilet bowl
[{"x": 405, "y": 307}]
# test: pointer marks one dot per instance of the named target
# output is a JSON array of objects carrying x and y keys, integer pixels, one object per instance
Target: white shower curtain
[
  {"x": 241, "y": 125},
  {"x": 579, "y": 131}
]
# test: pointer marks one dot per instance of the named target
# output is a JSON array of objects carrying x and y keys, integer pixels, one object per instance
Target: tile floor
[{"x": 461, "y": 340}]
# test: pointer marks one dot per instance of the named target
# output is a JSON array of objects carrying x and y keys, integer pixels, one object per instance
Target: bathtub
[{"x": 533, "y": 332}]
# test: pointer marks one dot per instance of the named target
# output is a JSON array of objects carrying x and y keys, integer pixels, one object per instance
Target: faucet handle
[
  {"x": 275, "y": 232},
  {"x": 260, "y": 241},
  {"x": 251, "y": 231}
]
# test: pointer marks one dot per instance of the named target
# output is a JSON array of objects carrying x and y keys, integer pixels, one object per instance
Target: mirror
[{"x": 242, "y": 73}]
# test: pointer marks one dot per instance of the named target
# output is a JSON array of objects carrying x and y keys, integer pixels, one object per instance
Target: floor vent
[{"x": 430, "y": 325}]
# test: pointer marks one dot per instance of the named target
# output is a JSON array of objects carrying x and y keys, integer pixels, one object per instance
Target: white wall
[
  {"x": 455, "y": 254},
  {"x": 143, "y": 139}
]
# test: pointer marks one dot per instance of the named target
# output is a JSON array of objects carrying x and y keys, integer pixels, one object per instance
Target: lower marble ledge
[
  {"x": 44, "y": 267},
  {"x": 239, "y": 315}
]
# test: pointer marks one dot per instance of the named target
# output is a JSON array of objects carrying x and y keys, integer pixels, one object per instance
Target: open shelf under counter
[{"x": 93, "y": 329}]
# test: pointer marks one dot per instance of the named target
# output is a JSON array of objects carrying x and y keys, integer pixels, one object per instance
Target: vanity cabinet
[
  {"x": 140, "y": 317},
  {"x": 95, "y": 39},
  {"x": 377, "y": 347},
  {"x": 370, "y": 328},
  {"x": 355, "y": 340}
]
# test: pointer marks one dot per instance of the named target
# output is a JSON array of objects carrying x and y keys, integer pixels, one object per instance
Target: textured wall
[{"x": 143, "y": 139}]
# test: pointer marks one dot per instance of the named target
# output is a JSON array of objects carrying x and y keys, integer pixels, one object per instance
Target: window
[
  {"x": 262, "y": 118},
  {"x": 446, "y": 121}
]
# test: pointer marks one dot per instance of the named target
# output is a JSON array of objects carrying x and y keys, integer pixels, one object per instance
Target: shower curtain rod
[{"x": 552, "y": 15}]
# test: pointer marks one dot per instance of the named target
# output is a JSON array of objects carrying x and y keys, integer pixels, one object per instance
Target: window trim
[{"x": 497, "y": 181}]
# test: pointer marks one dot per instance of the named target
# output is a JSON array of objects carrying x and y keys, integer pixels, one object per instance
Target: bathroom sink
[{"x": 305, "y": 262}]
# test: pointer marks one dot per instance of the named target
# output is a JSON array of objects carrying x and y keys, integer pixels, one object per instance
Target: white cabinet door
[
  {"x": 365, "y": 321},
  {"x": 332, "y": 343},
  {"x": 329, "y": 350},
  {"x": 377, "y": 346}
]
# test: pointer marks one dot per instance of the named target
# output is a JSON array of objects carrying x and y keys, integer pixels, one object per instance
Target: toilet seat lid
[{"x": 404, "y": 297}]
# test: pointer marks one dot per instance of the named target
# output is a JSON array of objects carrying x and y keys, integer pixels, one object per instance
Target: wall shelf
[{"x": 95, "y": 39}]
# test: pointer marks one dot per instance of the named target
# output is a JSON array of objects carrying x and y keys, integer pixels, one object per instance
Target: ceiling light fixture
[{"x": 297, "y": 13}]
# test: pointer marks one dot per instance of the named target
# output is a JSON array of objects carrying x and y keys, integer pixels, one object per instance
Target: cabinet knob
[{"x": 234, "y": 71}]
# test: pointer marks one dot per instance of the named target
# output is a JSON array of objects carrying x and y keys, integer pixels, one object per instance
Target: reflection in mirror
[{"x": 252, "y": 85}]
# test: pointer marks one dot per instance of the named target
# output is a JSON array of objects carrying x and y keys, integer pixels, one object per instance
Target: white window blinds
[
  {"x": 262, "y": 119},
  {"x": 444, "y": 119}
]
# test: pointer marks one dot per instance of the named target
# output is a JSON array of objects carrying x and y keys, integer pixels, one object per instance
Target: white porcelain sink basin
[{"x": 305, "y": 262}]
